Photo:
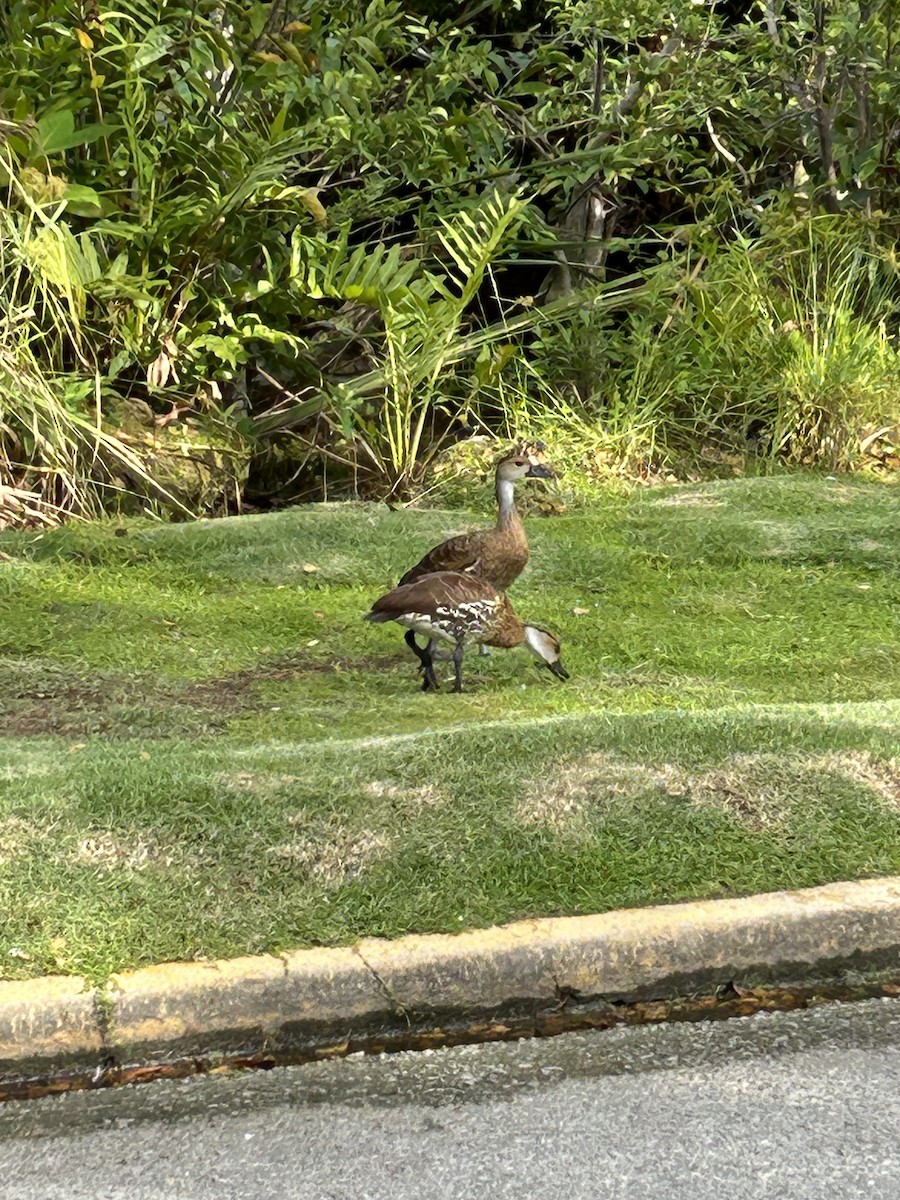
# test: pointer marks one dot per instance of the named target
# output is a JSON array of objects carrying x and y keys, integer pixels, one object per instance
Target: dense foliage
[{"x": 292, "y": 239}]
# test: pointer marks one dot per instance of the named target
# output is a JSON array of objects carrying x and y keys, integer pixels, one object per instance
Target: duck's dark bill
[
  {"x": 558, "y": 669},
  {"x": 539, "y": 471}
]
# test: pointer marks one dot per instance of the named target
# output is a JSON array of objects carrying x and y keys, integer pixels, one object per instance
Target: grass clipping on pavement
[{"x": 206, "y": 752}]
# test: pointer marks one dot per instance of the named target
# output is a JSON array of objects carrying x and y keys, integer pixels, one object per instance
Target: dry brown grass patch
[
  {"x": 17, "y": 837},
  {"x": 758, "y": 789},
  {"x": 332, "y": 856},
  {"x": 258, "y": 781},
  {"x": 108, "y": 852},
  {"x": 563, "y": 802},
  {"x": 881, "y": 777},
  {"x": 410, "y": 799}
]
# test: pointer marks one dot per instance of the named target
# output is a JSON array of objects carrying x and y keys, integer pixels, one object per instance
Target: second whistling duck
[{"x": 455, "y": 607}]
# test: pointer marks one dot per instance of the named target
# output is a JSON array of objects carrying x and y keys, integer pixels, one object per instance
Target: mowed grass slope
[{"x": 206, "y": 752}]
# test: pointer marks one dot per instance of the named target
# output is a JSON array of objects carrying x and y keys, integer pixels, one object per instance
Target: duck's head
[
  {"x": 519, "y": 466},
  {"x": 546, "y": 649}
]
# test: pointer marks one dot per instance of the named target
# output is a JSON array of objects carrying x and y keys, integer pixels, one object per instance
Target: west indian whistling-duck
[
  {"x": 454, "y": 607},
  {"x": 497, "y": 555}
]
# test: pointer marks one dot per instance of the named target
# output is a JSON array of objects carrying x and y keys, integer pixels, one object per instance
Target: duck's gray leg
[
  {"x": 442, "y": 655},
  {"x": 457, "y": 666},
  {"x": 438, "y": 655}
]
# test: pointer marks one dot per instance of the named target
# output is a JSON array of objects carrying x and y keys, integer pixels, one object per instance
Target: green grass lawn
[{"x": 206, "y": 752}]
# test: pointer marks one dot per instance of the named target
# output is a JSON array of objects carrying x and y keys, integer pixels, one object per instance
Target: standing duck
[
  {"x": 497, "y": 555},
  {"x": 455, "y": 607}
]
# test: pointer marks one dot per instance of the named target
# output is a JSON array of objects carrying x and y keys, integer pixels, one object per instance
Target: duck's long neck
[
  {"x": 507, "y": 514},
  {"x": 510, "y": 631}
]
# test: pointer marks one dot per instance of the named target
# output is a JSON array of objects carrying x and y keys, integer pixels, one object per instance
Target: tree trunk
[{"x": 590, "y": 218}]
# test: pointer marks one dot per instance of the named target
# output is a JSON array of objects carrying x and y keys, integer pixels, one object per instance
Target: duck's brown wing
[
  {"x": 459, "y": 554},
  {"x": 431, "y": 593}
]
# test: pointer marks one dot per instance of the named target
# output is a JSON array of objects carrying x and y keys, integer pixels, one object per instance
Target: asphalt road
[{"x": 802, "y": 1106}]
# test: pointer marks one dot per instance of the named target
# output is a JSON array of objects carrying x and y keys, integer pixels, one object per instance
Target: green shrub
[{"x": 781, "y": 346}]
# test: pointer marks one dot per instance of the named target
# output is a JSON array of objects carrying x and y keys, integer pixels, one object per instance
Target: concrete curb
[{"x": 312, "y": 1003}]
